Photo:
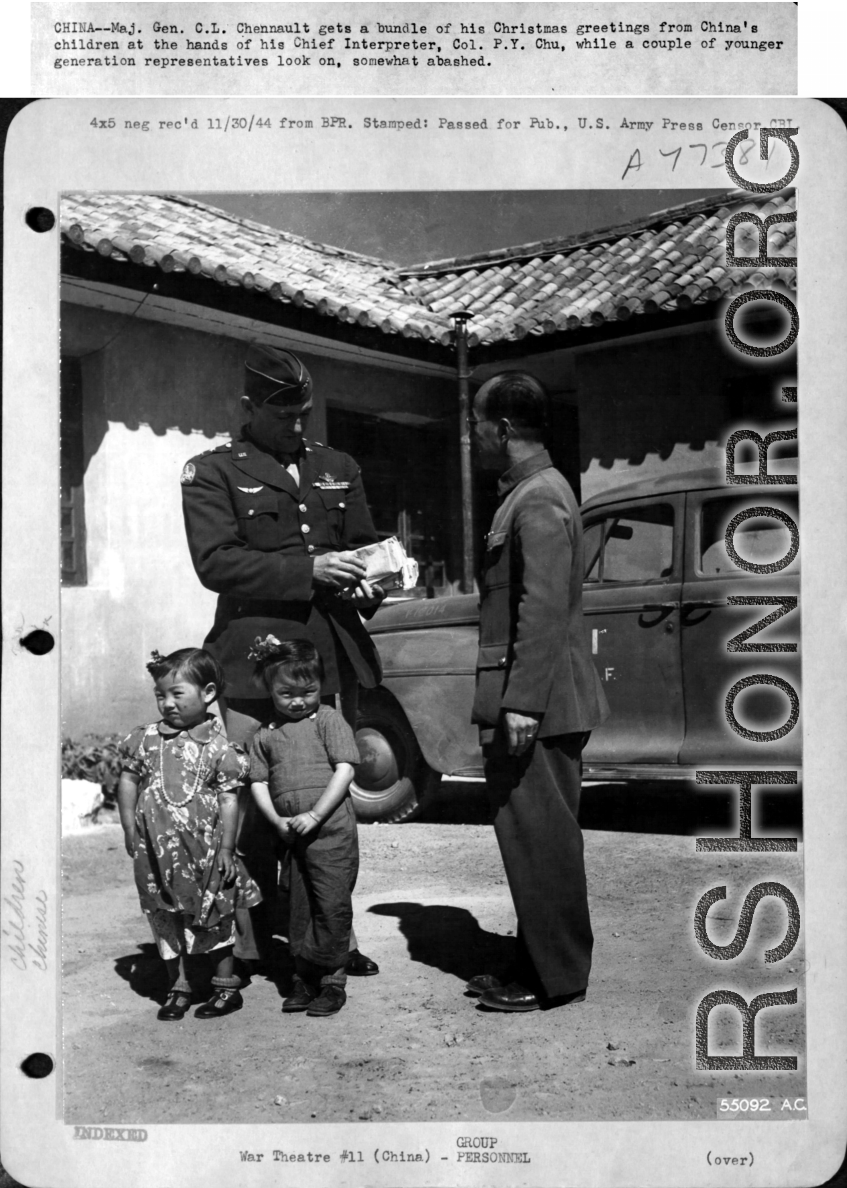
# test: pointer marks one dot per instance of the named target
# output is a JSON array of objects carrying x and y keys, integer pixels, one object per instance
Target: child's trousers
[
  {"x": 324, "y": 867},
  {"x": 258, "y": 842}
]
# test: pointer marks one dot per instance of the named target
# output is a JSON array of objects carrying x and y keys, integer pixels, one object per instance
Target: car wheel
[{"x": 392, "y": 780}]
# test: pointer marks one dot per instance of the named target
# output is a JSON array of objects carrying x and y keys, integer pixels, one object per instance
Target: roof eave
[
  {"x": 608, "y": 331},
  {"x": 253, "y": 303}
]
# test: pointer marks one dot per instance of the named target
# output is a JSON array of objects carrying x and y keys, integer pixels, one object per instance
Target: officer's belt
[{"x": 272, "y": 608}]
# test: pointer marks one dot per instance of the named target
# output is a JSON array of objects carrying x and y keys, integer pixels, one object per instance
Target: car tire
[{"x": 392, "y": 781}]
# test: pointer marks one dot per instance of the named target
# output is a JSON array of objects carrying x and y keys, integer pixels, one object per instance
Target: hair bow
[
  {"x": 263, "y": 647},
  {"x": 156, "y": 660}
]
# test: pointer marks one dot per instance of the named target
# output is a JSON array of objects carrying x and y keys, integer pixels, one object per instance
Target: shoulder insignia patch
[{"x": 188, "y": 472}]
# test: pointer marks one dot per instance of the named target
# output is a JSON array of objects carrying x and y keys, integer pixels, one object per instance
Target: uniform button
[
  {"x": 342, "y": 504},
  {"x": 303, "y": 507},
  {"x": 250, "y": 513},
  {"x": 306, "y": 528},
  {"x": 501, "y": 663},
  {"x": 311, "y": 548}
]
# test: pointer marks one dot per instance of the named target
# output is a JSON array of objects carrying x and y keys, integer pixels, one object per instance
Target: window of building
[{"x": 74, "y": 571}]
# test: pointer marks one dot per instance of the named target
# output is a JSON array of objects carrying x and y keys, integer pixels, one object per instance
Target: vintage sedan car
[{"x": 658, "y": 581}]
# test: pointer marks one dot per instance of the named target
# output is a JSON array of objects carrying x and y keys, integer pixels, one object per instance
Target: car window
[
  {"x": 759, "y": 540},
  {"x": 630, "y": 545}
]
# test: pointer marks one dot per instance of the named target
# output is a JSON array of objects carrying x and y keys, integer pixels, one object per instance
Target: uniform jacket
[
  {"x": 253, "y": 534},
  {"x": 534, "y": 654}
]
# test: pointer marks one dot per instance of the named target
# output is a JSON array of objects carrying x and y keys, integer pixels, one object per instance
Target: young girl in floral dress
[{"x": 177, "y": 797}]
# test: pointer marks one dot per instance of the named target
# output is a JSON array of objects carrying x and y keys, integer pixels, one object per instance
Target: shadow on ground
[
  {"x": 145, "y": 972},
  {"x": 449, "y": 938},
  {"x": 147, "y": 976}
]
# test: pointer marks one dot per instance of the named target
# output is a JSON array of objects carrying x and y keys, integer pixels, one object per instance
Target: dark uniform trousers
[
  {"x": 261, "y": 848},
  {"x": 534, "y": 800}
]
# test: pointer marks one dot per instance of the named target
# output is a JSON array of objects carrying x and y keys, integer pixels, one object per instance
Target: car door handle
[{"x": 705, "y": 602}]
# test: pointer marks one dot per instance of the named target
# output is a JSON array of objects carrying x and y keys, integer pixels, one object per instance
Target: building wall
[
  {"x": 666, "y": 404},
  {"x": 155, "y": 395},
  {"x": 661, "y": 403}
]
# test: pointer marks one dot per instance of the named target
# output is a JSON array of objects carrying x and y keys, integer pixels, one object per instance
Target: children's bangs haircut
[
  {"x": 299, "y": 657},
  {"x": 194, "y": 665}
]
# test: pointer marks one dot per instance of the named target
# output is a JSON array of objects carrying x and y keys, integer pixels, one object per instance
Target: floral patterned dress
[{"x": 180, "y": 831}]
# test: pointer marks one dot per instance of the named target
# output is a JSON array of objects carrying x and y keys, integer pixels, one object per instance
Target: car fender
[{"x": 448, "y": 740}]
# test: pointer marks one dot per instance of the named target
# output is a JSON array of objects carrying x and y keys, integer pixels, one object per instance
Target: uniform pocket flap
[
  {"x": 333, "y": 496},
  {"x": 495, "y": 539},
  {"x": 492, "y": 655}
]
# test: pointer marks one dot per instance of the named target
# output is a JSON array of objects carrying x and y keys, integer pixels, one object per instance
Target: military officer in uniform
[{"x": 271, "y": 519}]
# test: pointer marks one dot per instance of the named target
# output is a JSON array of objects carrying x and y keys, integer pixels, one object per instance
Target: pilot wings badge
[{"x": 328, "y": 482}]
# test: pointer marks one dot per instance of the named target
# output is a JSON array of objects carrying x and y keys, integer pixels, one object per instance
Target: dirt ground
[{"x": 433, "y": 908}]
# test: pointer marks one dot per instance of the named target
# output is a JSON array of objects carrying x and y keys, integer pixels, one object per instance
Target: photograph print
[{"x": 403, "y": 539}]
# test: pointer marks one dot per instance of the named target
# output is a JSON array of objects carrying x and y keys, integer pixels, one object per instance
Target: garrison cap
[{"x": 276, "y": 376}]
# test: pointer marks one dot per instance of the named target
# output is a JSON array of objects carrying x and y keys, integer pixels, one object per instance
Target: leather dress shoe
[
  {"x": 482, "y": 982},
  {"x": 329, "y": 1002},
  {"x": 513, "y": 997},
  {"x": 175, "y": 1006},
  {"x": 302, "y": 994},
  {"x": 223, "y": 1002},
  {"x": 359, "y": 965}
]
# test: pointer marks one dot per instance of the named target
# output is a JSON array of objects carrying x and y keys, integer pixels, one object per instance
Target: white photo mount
[{"x": 53, "y": 148}]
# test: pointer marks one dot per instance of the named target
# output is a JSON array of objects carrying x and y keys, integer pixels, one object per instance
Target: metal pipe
[{"x": 460, "y": 320}]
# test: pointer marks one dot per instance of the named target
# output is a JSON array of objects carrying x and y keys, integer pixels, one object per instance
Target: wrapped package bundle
[{"x": 388, "y": 565}]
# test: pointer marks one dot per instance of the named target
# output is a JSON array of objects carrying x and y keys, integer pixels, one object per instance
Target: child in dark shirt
[{"x": 301, "y": 766}]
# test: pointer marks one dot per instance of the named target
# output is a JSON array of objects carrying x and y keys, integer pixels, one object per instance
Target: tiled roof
[
  {"x": 176, "y": 234},
  {"x": 671, "y": 260}
]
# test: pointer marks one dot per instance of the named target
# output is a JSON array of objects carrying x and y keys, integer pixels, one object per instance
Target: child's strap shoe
[
  {"x": 175, "y": 1006},
  {"x": 223, "y": 1002}
]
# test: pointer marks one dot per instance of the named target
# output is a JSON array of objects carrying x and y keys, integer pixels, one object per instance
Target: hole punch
[
  {"x": 39, "y": 642},
  {"x": 37, "y": 1065},
  {"x": 39, "y": 218}
]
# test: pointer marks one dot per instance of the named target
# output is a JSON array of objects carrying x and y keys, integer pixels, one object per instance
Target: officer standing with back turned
[{"x": 270, "y": 519}]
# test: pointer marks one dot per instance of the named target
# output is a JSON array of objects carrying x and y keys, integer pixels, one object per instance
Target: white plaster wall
[{"x": 142, "y": 591}]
